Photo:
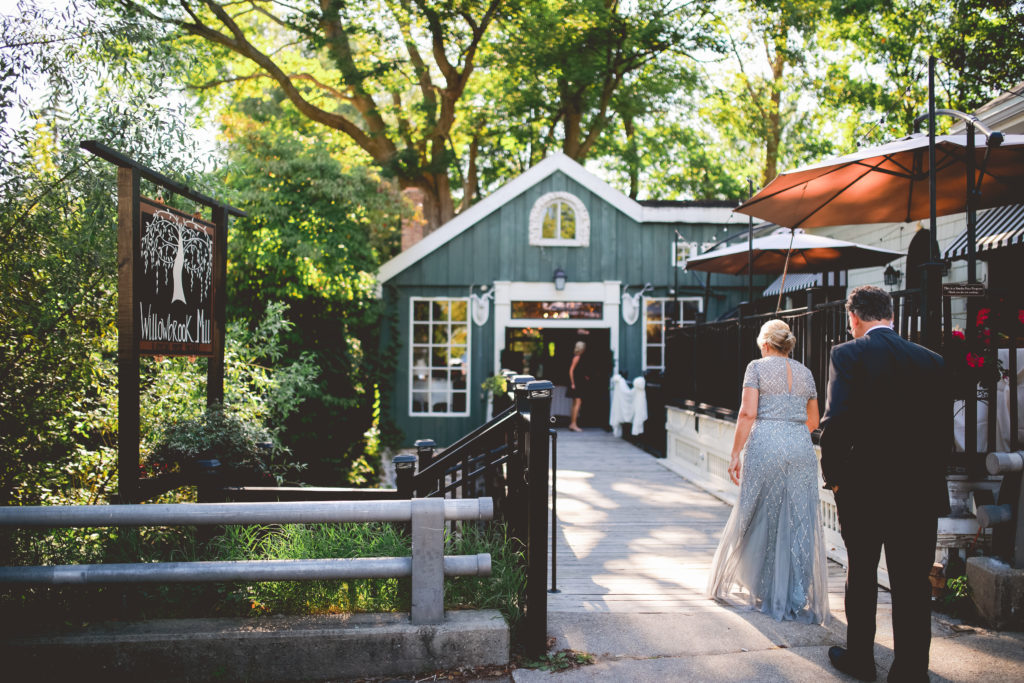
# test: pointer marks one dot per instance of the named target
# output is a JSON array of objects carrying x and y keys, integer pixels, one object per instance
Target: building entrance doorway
[{"x": 546, "y": 353}]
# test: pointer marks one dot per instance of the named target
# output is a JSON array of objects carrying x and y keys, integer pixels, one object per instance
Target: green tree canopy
[{"x": 316, "y": 231}]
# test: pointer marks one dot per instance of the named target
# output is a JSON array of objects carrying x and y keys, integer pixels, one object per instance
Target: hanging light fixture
[
  {"x": 559, "y": 278},
  {"x": 892, "y": 276}
]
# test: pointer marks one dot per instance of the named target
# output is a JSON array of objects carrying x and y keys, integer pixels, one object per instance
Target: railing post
[
  {"x": 425, "y": 452},
  {"x": 537, "y": 458},
  {"x": 209, "y": 484},
  {"x": 519, "y": 383},
  {"x": 427, "y": 561},
  {"x": 405, "y": 471}
]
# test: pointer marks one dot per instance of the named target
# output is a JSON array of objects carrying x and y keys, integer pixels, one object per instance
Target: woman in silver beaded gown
[{"x": 773, "y": 544}]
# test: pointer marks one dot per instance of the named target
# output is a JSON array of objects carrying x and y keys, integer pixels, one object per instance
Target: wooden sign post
[{"x": 171, "y": 296}]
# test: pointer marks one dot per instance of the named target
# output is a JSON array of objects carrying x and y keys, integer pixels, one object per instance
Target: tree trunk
[
  {"x": 632, "y": 156},
  {"x": 470, "y": 184},
  {"x": 771, "y": 157},
  {"x": 438, "y": 207}
]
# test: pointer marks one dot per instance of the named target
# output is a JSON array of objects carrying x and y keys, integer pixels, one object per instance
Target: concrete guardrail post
[{"x": 427, "y": 561}]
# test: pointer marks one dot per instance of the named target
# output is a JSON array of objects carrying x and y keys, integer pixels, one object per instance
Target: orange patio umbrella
[{"x": 889, "y": 183}]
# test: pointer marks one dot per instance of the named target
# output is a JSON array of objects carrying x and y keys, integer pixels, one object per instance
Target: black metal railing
[
  {"x": 507, "y": 459},
  {"x": 705, "y": 364}
]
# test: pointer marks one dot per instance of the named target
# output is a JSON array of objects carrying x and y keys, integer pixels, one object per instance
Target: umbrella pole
[
  {"x": 750, "y": 246},
  {"x": 932, "y": 275},
  {"x": 785, "y": 267},
  {"x": 972, "y": 215}
]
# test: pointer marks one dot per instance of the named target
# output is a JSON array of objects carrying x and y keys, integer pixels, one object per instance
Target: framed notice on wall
[{"x": 174, "y": 282}]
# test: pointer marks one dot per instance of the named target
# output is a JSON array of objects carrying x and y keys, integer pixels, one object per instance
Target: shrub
[{"x": 243, "y": 449}]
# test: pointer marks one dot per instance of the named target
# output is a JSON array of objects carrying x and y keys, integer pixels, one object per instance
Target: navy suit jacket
[{"x": 887, "y": 423}]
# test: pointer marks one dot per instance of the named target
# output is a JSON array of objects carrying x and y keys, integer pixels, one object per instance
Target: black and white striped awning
[
  {"x": 1002, "y": 226},
  {"x": 796, "y": 282}
]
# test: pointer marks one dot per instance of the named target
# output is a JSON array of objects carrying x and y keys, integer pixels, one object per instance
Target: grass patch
[
  {"x": 559, "y": 661},
  {"x": 76, "y": 605}
]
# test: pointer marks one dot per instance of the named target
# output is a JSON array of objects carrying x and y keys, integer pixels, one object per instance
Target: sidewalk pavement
[
  {"x": 734, "y": 644},
  {"x": 635, "y": 544}
]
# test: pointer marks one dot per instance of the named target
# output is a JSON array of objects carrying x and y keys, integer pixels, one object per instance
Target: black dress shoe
[{"x": 863, "y": 670}]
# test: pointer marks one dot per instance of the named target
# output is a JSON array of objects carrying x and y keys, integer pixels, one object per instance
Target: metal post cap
[
  {"x": 404, "y": 461},
  {"x": 424, "y": 443},
  {"x": 540, "y": 388}
]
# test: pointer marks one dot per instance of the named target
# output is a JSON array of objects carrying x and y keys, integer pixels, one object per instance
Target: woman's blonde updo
[{"x": 777, "y": 334}]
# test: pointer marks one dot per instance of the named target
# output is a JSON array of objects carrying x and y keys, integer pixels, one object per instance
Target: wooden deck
[{"x": 633, "y": 536}]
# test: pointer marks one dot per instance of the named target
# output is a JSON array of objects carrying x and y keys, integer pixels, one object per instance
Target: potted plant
[{"x": 495, "y": 387}]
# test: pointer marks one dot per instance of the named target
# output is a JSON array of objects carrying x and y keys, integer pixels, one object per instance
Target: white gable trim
[{"x": 515, "y": 187}]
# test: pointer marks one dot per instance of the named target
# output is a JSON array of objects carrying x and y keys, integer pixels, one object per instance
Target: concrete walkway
[{"x": 634, "y": 546}]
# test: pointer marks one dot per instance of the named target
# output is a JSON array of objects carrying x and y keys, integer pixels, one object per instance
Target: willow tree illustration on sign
[{"x": 173, "y": 245}]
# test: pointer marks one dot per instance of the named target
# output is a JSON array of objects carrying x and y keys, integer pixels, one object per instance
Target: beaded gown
[{"x": 773, "y": 544}]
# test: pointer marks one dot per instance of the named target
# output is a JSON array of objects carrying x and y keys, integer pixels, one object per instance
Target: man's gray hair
[{"x": 870, "y": 303}]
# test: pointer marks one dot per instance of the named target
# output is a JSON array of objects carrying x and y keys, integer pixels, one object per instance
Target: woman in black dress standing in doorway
[{"x": 577, "y": 385}]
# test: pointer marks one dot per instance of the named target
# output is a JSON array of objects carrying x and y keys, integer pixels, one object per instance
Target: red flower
[
  {"x": 983, "y": 316},
  {"x": 959, "y": 334},
  {"x": 975, "y": 360}
]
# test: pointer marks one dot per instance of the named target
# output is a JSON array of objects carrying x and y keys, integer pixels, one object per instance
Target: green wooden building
[{"x": 553, "y": 257}]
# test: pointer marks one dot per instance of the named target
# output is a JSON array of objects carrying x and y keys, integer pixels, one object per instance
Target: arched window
[{"x": 559, "y": 219}]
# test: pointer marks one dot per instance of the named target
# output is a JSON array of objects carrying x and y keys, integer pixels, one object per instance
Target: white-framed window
[
  {"x": 658, "y": 313},
  {"x": 685, "y": 250},
  {"x": 559, "y": 219},
  {"x": 439, "y": 356}
]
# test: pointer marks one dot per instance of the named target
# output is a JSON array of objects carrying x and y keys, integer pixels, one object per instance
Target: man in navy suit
[{"x": 884, "y": 447}]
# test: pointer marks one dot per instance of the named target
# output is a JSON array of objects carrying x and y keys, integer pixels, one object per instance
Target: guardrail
[{"x": 428, "y": 565}]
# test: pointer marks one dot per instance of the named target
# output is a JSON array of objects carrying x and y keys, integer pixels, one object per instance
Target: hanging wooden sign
[{"x": 174, "y": 292}]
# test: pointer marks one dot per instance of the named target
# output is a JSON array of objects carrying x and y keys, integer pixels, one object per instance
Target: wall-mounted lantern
[
  {"x": 892, "y": 276},
  {"x": 559, "y": 278}
]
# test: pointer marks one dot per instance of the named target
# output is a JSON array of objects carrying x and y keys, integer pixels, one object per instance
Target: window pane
[
  {"x": 690, "y": 310},
  {"x": 654, "y": 309},
  {"x": 460, "y": 333},
  {"x": 440, "y": 355},
  {"x": 568, "y": 222},
  {"x": 653, "y": 356},
  {"x": 549, "y": 228},
  {"x": 654, "y": 332},
  {"x": 439, "y": 381}
]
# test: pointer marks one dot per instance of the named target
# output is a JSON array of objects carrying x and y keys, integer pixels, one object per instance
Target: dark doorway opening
[{"x": 546, "y": 353}]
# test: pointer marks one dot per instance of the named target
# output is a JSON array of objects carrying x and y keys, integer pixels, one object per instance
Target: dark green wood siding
[{"x": 497, "y": 248}]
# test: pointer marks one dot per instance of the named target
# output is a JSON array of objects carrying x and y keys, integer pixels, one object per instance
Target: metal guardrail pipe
[
  {"x": 427, "y": 566},
  {"x": 254, "y": 570},
  {"x": 199, "y": 514}
]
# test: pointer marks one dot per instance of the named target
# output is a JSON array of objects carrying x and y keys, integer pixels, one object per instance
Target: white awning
[
  {"x": 1002, "y": 226},
  {"x": 797, "y": 282}
]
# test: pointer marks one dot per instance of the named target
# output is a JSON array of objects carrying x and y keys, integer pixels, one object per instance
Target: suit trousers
[{"x": 868, "y": 524}]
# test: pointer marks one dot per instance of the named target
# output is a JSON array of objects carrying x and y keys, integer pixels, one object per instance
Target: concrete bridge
[{"x": 634, "y": 546}]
